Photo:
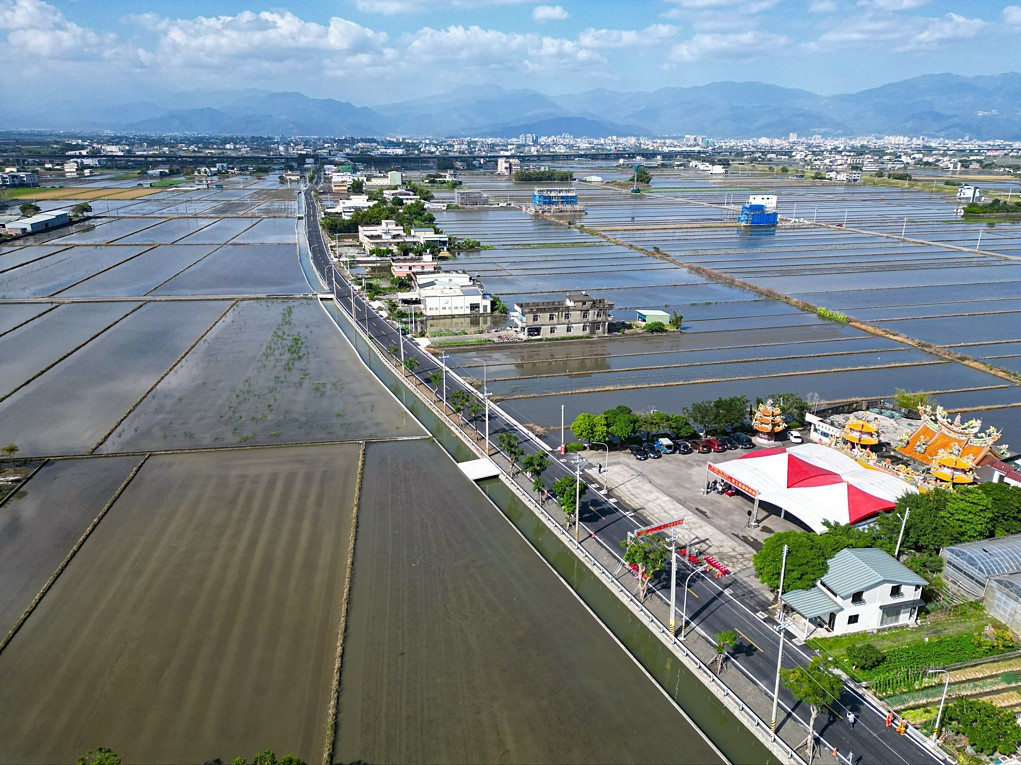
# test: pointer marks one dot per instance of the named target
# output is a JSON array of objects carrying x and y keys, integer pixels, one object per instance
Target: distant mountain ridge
[{"x": 938, "y": 105}]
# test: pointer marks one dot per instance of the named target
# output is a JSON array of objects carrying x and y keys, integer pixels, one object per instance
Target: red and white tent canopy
[{"x": 815, "y": 483}]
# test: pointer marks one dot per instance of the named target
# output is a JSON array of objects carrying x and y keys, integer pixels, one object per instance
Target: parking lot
[{"x": 672, "y": 487}]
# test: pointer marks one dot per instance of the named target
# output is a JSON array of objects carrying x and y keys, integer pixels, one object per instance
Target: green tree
[
  {"x": 676, "y": 320},
  {"x": 702, "y": 414},
  {"x": 1005, "y": 516},
  {"x": 816, "y": 686},
  {"x": 792, "y": 406},
  {"x": 731, "y": 411},
  {"x": 643, "y": 176},
  {"x": 654, "y": 422},
  {"x": 535, "y": 464},
  {"x": 840, "y": 536},
  {"x": 924, "y": 531},
  {"x": 680, "y": 426},
  {"x": 649, "y": 555},
  {"x": 568, "y": 492},
  {"x": 9, "y": 452},
  {"x": 28, "y": 209},
  {"x": 989, "y": 729},
  {"x": 724, "y": 640},
  {"x": 269, "y": 758},
  {"x": 101, "y": 755},
  {"x": 80, "y": 209},
  {"x": 655, "y": 327},
  {"x": 436, "y": 378},
  {"x": 621, "y": 422},
  {"x": 411, "y": 364},
  {"x": 865, "y": 656},
  {"x": 910, "y": 401},
  {"x": 806, "y": 560},
  {"x": 583, "y": 427},
  {"x": 509, "y": 445},
  {"x": 966, "y": 515}
]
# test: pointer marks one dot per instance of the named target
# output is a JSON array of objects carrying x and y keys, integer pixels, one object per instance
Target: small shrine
[
  {"x": 951, "y": 449},
  {"x": 767, "y": 421},
  {"x": 860, "y": 432}
]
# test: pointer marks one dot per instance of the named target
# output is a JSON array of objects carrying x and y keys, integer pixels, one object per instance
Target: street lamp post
[
  {"x": 779, "y": 655},
  {"x": 606, "y": 463},
  {"x": 577, "y": 502},
  {"x": 443, "y": 360},
  {"x": 684, "y": 608},
  {"x": 939, "y": 714},
  {"x": 900, "y": 537}
]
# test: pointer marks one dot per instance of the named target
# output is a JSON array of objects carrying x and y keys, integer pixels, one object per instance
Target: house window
[
  {"x": 584, "y": 314},
  {"x": 852, "y": 619},
  {"x": 584, "y": 327},
  {"x": 535, "y": 317},
  {"x": 552, "y": 330},
  {"x": 599, "y": 314},
  {"x": 858, "y": 598},
  {"x": 567, "y": 314},
  {"x": 570, "y": 328},
  {"x": 552, "y": 317},
  {"x": 895, "y": 591}
]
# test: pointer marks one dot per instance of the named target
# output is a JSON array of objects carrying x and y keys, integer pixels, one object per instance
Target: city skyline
[{"x": 373, "y": 52}]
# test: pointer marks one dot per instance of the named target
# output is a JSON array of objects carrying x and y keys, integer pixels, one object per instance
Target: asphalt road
[{"x": 713, "y": 605}]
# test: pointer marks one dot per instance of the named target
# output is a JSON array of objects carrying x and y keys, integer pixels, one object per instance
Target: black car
[
  {"x": 651, "y": 450},
  {"x": 727, "y": 441},
  {"x": 638, "y": 452},
  {"x": 743, "y": 441},
  {"x": 683, "y": 447}
]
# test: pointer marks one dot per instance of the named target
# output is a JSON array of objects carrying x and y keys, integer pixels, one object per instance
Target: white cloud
[
  {"x": 1012, "y": 15},
  {"x": 685, "y": 9},
  {"x": 823, "y": 6},
  {"x": 392, "y": 7},
  {"x": 947, "y": 29},
  {"x": 892, "y": 5},
  {"x": 40, "y": 31},
  {"x": 478, "y": 48},
  {"x": 550, "y": 13},
  {"x": 903, "y": 34},
  {"x": 624, "y": 38},
  {"x": 740, "y": 45}
]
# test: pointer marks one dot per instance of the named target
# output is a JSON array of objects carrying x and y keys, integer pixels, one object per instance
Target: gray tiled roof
[
  {"x": 811, "y": 603},
  {"x": 853, "y": 570}
]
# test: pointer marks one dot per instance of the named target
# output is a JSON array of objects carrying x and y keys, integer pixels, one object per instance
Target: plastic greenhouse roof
[
  {"x": 987, "y": 557},
  {"x": 1011, "y": 583}
]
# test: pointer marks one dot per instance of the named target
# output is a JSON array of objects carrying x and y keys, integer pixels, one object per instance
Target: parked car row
[{"x": 655, "y": 449}]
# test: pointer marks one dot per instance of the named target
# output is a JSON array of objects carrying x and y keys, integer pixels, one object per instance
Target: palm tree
[
  {"x": 510, "y": 446},
  {"x": 724, "y": 640},
  {"x": 814, "y": 685}
]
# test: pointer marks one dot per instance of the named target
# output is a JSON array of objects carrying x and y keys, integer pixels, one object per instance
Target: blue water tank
[{"x": 756, "y": 215}]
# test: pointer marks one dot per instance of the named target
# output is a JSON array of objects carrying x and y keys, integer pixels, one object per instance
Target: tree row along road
[{"x": 718, "y": 605}]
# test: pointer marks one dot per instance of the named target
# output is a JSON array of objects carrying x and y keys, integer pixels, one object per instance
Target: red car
[
  {"x": 714, "y": 445},
  {"x": 700, "y": 446}
]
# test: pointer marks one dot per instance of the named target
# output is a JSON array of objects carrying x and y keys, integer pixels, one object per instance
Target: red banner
[
  {"x": 661, "y": 527},
  {"x": 732, "y": 481}
]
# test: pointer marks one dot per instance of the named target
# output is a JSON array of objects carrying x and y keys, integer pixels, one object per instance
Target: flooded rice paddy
[
  {"x": 894, "y": 257},
  {"x": 198, "y": 621}
]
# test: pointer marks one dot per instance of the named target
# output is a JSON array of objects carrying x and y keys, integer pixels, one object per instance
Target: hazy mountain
[{"x": 942, "y": 105}]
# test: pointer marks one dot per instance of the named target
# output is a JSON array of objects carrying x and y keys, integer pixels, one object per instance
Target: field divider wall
[
  {"x": 21, "y": 484},
  {"x": 77, "y": 348},
  {"x": 162, "y": 377},
  {"x": 27, "y": 321},
  {"x": 331, "y": 715},
  {"x": 67, "y": 560},
  {"x": 195, "y": 263},
  {"x": 150, "y": 248}
]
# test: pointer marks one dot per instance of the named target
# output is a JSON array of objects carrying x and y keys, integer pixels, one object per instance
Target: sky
[{"x": 373, "y": 52}]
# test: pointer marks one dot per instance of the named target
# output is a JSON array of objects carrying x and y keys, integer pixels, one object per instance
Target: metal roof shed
[
  {"x": 969, "y": 565},
  {"x": 1003, "y": 600},
  {"x": 853, "y": 570},
  {"x": 645, "y": 317}
]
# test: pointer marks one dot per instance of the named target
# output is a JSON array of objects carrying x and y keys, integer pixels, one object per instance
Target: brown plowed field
[
  {"x": 199, "y": 620},
  {"x": 462, "y": 647}
]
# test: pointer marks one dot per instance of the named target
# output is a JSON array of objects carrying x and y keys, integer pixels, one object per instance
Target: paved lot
[{"x": 671, "y": 487}]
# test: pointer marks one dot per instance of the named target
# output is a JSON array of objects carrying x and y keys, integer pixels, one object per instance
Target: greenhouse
[
  {"x": 968, "y": 566},
  {"x": 1003, "y": 600}
]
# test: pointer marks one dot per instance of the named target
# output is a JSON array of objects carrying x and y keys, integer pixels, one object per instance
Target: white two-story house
[{"x": 863, "y": 589}]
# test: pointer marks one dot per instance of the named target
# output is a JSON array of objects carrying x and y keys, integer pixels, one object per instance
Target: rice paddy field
[
  {"x": 173, "y": 570},
  {"x": 897, "y": 259}
]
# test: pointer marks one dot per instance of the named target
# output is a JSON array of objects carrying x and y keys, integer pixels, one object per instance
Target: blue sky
[{"x": 375, "y": 51}]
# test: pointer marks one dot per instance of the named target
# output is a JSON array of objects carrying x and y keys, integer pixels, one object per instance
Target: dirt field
[
  {"x": 90, "y": 192},
  {"x": 40, "y": 525},
  {"x": 462, "y": 647},
  {"x": 199, "y": 621}
]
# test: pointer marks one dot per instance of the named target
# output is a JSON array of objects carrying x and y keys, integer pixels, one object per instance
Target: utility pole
[
  {"x": 577, "y": 502},
  {"x": 779, "y": 656},
  {"x": 939, "y": 714},
  {"x": 673, "y": 586},
  {"x": 900, "y": 537},
  {"x": 443, "y": 360},
  {"x": 562, "y": 449}
]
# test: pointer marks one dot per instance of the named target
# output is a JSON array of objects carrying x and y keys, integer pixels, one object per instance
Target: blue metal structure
[
  {"x": 554, "y": 197},
  {"x": 756, "y": 215}
]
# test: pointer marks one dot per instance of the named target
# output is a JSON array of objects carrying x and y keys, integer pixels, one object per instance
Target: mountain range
[{"x": 937, "y": 105}]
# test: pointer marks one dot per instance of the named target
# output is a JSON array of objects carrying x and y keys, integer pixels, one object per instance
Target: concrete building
[
  {"x": 387, "y": 234},
  {"x": 405, "y": 195},
  {"x": 507, "y": 166},
  {"x": 14, "y": 178},
  {"x": 395, "y": 177},
  {"x": 469, "y": 198},
  {"x": 41, "y": 222},
  {"x": 969, "y": 194},
  {"x": 863, "y": 589},
  {"x": 346, "y": 207},
  {"x": 451, "y": 293},
  {"x": 577, "y": 314},
  {"x": 401, "y": 267}
]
